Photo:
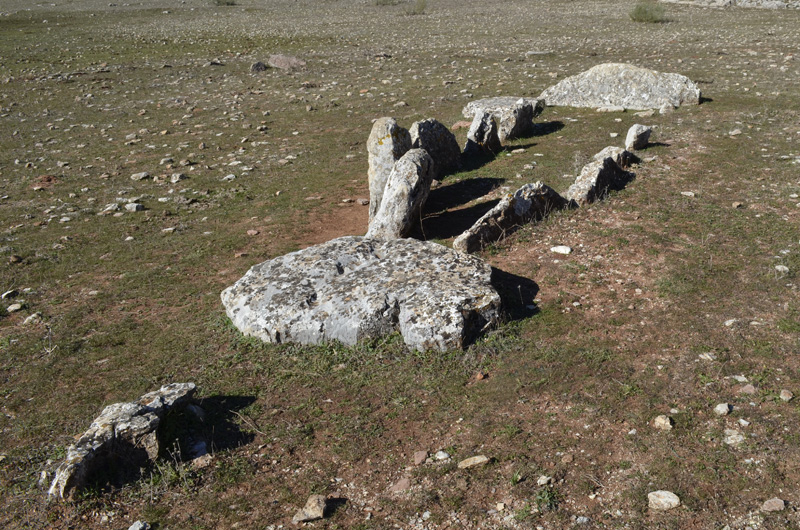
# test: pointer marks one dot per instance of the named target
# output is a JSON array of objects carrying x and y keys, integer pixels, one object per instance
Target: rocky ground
[{"x": 144, "y": 168}]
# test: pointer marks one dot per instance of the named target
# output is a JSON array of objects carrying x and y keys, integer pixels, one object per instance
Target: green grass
[{"x": 648, "y": 11}]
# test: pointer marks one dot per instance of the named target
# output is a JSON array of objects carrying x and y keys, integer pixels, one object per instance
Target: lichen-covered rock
[
  {"x": 622, "y": 85},
  {"x": 514, "y": 115},
  {"x": 386, "y": 144},
  {"x": 312, "y": 511},
  {"x": 133, "y": 424},
  {"x": 439, "y": 142},
  {"x": 530, "y": 202},
  {"x": 622, "y": 157},
  {"x": 482, "y": 139},
  {"x": 407, "y": 189},
  {"x": 638, "y": 136},
  {"x": 352, "y": 288},
  {"x": 596, "y": 179}
]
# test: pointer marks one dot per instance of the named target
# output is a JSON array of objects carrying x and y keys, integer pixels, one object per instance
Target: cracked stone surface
[
  {"x": 515, "y": 115},
  {"x": 387, "y": 143},
  {"x": 353, "y": 288}
]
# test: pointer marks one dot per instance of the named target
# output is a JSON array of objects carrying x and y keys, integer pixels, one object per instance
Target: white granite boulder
[
  {"x": 407, "y": 189},
  {"x": 386, "y": 144},
  {"x": 622, "y": 85},
  {"x": 352, "y": 288}
]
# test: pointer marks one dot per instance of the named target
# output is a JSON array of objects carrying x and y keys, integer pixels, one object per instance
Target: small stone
[
  {"x": 140, "y": 176},
  {"x": 733, "y": 437},
  {"x": 730, "y": 322},
  {"x": 363, "y": 202},
  {"x": 228, "y": 178},
  {"x": 707, "y": 356},
  {"x": 567, "y": 459},
  {"x": 666, "y": 108},
  {"x": 561, "y": 249},
  {"x": 139, "y": 525},
  {"x": 258, "y": 67},
  {"x": 177, "y": 177},
  {"x": 252, "y": 232},
  {"x": 420, "y": 457},
  {"x": 500, "y": 506},
  {"x": 441, "y": 455},
  {"x": 723, "y": 409},
  {"x": 748, "y": 389},
  {"x": 663, "y": 500},
  {"x": 544, "y": 480},
  {"x": 13, "y": 308},
  {"x": 663, "y": 423},
  {"x": 638, "y": 136},
  {"x": 773, "y": 505},
  {"x": 737, "y": 205},
  {"x": 9, "y": 294},
  {"x": 14, "y": 259},
  {"x": 134, "y": 207},
  {"x": 735, "y": 132},
  {"x": 165, "y": 161},
  {"x": 472, "y": 462},
  {"x": 743, "y": 422},
  {"x": 401, "y": 485},
  {"x": 582, "y": 520},
  {"x": 312, "y": 511},
  {"x": 786, "y": 395},
  {"x": 782, "y": 268},
  {"x": 35, "y": 318},
  {"x": 687, "y": 193}
]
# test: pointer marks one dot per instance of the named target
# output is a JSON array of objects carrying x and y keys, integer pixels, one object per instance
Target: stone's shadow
[
  {"x": 517, "y": 293},
  {"x": 334, "y": 504},
  {"x": 219, "y": 427},
  {"x": 704, "y": 100},
  {"x": 473, "y": 161},
  {"x": 544, "y": 128},
  {"x": 449, "y": 196},
  {"x": 652, "y": 144},
  {"x": 452, "y": 223}
]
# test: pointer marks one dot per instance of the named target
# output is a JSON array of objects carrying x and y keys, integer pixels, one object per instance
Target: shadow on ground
[
  {"x": 517, "y": 293},
  {"x": 452, "y": 223}
]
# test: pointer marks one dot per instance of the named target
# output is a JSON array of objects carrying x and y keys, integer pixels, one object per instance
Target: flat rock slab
[
  {"x": 352, "y": 288},
  {"x": 133, "y": 424},
  {"x": 514, "y": 115},
  {"x": 622, "y": 85}
]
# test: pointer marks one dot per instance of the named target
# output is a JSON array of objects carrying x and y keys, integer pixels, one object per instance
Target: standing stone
[
  {"x": 482, "y": 139},
  {"x": 530, "y": 202},
  {"x": 121, "y": 425},
  {"x": 638, "y": 136},
  {"x": 258, "y": 67},
  {"x": 596, "y": 179},
  {"x": 386, "y": 144},
  {"x": 439, "y": 142},
  {"x": 351, "y": 288},
  {"x": 515, "y": 115},
  {"x": 622, "y": 157},
  {"x": 623, "y": 85},
  {"x": 406, "y": 191}
]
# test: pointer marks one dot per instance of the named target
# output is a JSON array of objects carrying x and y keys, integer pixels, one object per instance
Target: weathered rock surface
[
  {"x": 663, "y": 500},
  {"x": 386, "y": 144},
  {"x": 353, "y": 288},
  {"x": 638, "y": 136},
  {"x": 473, "y": 461},
  {"x": 439, "y": 142},
  {"x": 596, "y": 179},
  {"x": 258, "y": 67},
  {"x": 131, "y": 424},
  {"x": 406, "y": 191},
  {"x": 622, "y": 157},
  {"x": 530, "y": 202},
  {"x": 285, "y": 62},
  {"x": 774, "y": 504},
  {"x": 312, "y": 511},
  {"x": 482, "y": 139},
  {"x": 514, "y": 115},
  {"x": 622, "y": 85}
]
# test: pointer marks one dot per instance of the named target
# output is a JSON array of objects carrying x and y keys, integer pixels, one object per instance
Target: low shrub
[{"x": 648, "y": 11}]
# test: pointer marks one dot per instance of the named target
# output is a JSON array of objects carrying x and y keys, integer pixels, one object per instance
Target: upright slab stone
[
  {"x": 637, "y": 137},
  {"x": 621, "y": 156},
  {"x": 439, "y": 142},
  {"x": 482, "y": 139},
  {"x": 623, "y": 85},
  {"x": 532, "y": 202},
  {"x": 514, "y": 115},
  {"x": 352, "y": 288},
  {"x": 596, "y": 179},
  {"x": 120, "y": 428},
  {"x": 407, "y": 189},
  {"x": 386, "y": 144}
]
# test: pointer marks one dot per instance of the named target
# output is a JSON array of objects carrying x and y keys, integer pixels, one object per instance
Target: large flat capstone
[
  {"x": 622, "y": 85},
  {"x": 353, "y": 288}
]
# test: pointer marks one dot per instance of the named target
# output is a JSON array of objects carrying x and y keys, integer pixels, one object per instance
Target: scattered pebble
[
  {"x": 561, "y": 249},
  {"x": 723, "y": 409},
  {"x": 662, "y": 500},
  {"x": 544, "y": 480},
  {"x": 733, "y": 437},
  {"x": 748, "y": 389},
  {"x": 782, "y": 268},
  {"x": 441, "y": 455},
  {"x": 786, "y": 395},
  {"x": 401, "y": 485},
  {"x": 663, "y": 423},
  {"x": 773, "y": 505},
  {"x": 687, "y": 193},
  {"x": 473, "y": 461},
  {"x": 420, "y": 457},
  {"x": 312, "y": 511},
  {"x": 140, "y": 176}
]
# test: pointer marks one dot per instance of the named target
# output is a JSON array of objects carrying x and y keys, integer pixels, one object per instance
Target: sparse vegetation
[
  {"x": 648, "y": 11},
  {"x": 418, "y": 8}
]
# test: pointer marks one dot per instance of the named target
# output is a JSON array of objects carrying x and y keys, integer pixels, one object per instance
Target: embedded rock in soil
[
  {"x": 596, "y": 179},
  {"x": 258, "y": 67},
  {"x": 515, "y": 115},
  {"x": 312, "y": 511},
  {"x": 638, "y": 136},
  {"x": 353, "y": 288},
  {"x": 530, "y": 202},
  {"x": 439, "y": 142},
  {"x": 121, "y": 427},
  {"x": 407, "y": 189},
  {"x": 663, "y": 500},
  {"x": 386, "y": 144},
  {"x": 482, "y": 139},
  {"x": 285, "y": 62},
  {"x": 623, "y": 85},
  {"x": 622, "y": 157}
]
